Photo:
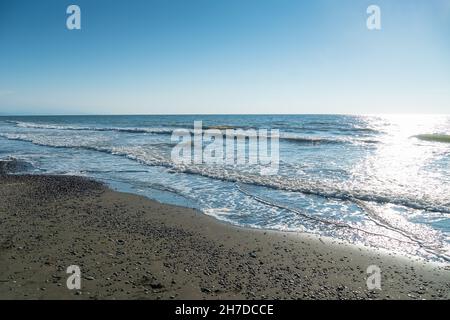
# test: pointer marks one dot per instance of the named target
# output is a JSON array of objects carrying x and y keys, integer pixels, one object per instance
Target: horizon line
[{"x": 213, "y": 114}]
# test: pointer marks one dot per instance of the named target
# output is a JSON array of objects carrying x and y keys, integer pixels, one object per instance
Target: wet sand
[{"x": 129, "y": 247}]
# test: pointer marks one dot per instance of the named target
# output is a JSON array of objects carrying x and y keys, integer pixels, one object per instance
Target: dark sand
[{"x": 129, "y": 247}]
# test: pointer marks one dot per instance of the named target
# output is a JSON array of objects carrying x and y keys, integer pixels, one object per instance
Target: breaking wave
[
  {"x": 444, "y": 138},
  {"x": 153, "y": 156},
  {"x": 32, "y": 125},
  {"x": 287, "y": 136}
]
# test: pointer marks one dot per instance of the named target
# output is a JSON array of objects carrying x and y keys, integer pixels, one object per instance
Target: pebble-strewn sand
[{"x": 130, "y": 247}]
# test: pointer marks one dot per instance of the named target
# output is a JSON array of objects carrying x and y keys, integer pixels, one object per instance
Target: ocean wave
[
  {"x": 424, "y": 237},
  {"x": 273, "y": 203},
  {"x": 32, "y": 125},
  {"x": 427, "y": 238},
  {"x": 153, "y": 157},
  {"x": 295, "y": 138},
  {"x": 114, "y": 171},
  {"x": 434, "y": 137},
  {"x": 238, "y": 132}
]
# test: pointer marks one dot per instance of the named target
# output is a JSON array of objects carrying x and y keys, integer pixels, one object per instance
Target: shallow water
[{"x": 381, "y": 181}]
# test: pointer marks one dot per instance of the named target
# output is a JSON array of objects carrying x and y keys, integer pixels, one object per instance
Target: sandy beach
[{"x": 129, "y": 247}]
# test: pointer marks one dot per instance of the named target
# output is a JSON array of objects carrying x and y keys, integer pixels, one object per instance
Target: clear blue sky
[{"x": 224, "y": 56}]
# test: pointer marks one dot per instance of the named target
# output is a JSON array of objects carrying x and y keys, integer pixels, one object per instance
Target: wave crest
[
  {"x": 434, "y": 137},
  {"x": 152, "y": 156},
  {"x": 285, "y": 136}
]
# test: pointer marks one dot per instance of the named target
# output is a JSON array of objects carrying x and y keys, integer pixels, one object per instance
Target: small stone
[
  {"x": 156, "y": 285},
  {"x": 205, "y": 290}
]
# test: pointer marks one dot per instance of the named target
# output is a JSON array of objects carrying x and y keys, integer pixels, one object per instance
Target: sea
[{"x": 380, "y": 181}]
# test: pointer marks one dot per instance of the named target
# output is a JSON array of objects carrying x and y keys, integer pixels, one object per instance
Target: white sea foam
[
  {"x": 228, "y": 131},
  {"x": 154, "y": 157}
]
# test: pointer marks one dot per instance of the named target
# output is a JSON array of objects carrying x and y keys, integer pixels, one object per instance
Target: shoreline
[{"x": 131, "y": 247}]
